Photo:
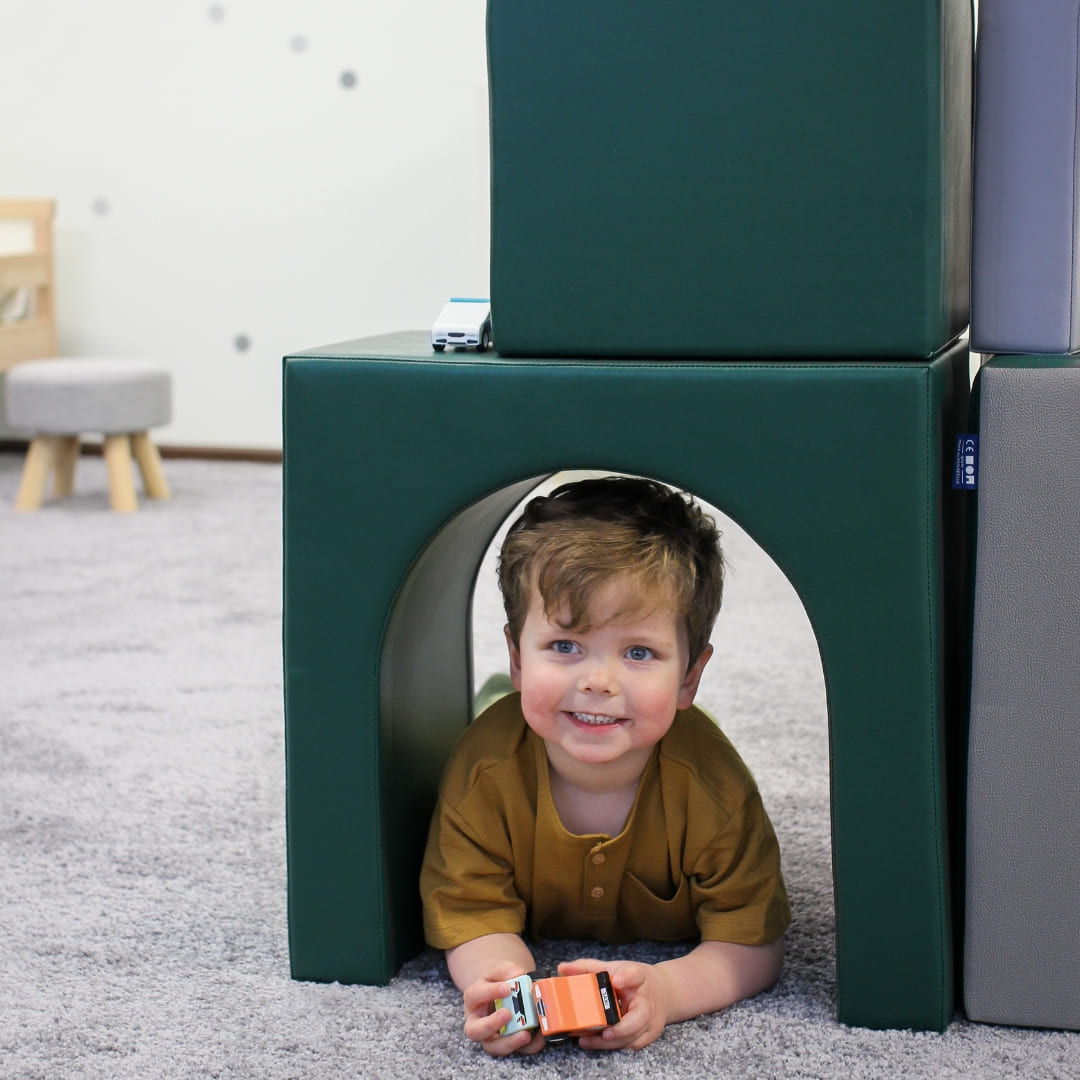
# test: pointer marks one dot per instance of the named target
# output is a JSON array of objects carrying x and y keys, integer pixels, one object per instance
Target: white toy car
[{"x": 464, "y": 323}]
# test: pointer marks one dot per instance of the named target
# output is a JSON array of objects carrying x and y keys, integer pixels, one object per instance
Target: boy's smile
[
  {"x": 594, "y": 719},
  {"x": 606, "y": 694}
]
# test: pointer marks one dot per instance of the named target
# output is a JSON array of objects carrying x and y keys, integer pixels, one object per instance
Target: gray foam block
[
  {"x": 1022, "y": 944},
  {"x": 1024, "y": 198}
]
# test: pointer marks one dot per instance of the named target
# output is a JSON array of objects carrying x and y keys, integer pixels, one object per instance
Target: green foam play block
[
  {"x": 767, "y": 178},
  {"x": 400, "y": 465}
]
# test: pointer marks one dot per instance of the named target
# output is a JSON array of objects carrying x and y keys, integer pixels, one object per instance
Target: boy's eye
[
  {"x": 639, "y": 652},
  {"x": 567, "y": 648}
]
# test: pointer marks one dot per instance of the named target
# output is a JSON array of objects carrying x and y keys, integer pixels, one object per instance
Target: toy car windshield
[{"x": 463, "y": 323}]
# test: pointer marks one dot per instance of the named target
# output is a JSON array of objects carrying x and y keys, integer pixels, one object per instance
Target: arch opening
[{"x": 764, "y": 685}]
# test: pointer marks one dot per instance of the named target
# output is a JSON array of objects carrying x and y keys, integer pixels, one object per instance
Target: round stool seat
[
  {"x": 70, "y": 396},
  {"x": 57, "y": 401}
]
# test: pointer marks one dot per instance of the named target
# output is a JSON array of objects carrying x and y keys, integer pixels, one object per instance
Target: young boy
[{"x": 596, "y": 802}]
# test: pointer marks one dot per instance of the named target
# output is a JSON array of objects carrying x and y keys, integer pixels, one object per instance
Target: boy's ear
[
  {"x": 688, "y": 690},
  {"x": 515, "y": 658}
]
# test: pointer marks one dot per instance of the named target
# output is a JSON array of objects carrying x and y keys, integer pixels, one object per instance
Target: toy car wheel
[
  {"x": 485, "y": 341},
  {"x": 438, "y": 348}
]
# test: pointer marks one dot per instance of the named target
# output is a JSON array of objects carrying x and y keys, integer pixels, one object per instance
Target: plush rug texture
[{"x": 142, "y": 836}]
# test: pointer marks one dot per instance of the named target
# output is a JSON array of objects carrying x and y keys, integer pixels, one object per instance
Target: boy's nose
[{"x": 597, "y": 677}]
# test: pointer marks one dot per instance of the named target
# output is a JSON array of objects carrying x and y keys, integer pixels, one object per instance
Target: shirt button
[
  {"x": 598, "y": 893},
  {"x": 599, "y": 857}
]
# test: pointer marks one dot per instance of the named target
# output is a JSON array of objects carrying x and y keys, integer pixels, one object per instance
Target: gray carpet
[{"x": 142, "y": 866}]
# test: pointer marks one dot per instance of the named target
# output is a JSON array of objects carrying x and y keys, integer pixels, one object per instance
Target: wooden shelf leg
[
  {"x": 39, "y": 459},
  {"x": 67, "y": 455},
  {"x": 121, "y": 478},
  {"x": 149, "y": 460}
]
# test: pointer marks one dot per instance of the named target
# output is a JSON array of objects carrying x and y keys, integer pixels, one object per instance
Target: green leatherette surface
[
  {"x": 399, "y": 467},
  {"x": 690, "y": 178}
]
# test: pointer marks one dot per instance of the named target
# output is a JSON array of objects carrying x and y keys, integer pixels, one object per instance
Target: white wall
[
  {"x": 241, "y": 179},
  {"x": 224, "y": 196}
]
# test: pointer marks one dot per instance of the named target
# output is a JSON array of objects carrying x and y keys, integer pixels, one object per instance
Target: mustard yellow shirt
[{"x": 698, "y": 857}]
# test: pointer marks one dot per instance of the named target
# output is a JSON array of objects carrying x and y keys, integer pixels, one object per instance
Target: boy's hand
[
  {"x": 483, "y": 1020},
  {"x": 643, "y": 995}
]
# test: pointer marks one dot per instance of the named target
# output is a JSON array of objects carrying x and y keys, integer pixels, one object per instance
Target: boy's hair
[{"x": 574, "y": 541}]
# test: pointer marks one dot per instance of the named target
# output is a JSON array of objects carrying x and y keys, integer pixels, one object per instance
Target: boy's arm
[
  {"x": 483, "y": 955},
  {"x": 480, "y": 969},
  {"x": 710, "y": 977},
  {"x": 719, "y": 973}
]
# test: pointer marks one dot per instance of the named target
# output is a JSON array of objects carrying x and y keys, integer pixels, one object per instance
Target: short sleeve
[
  {"x": 466, "y": 883},
  {"x": 737, "y": 888}
]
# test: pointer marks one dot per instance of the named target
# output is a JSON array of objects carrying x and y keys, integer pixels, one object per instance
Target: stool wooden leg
[
  {"x": 121, "y": 479},
  {"x": 67, "y": 454},
  {"x": 149, "y": 460},
  {"x": 39, "y": 459}
]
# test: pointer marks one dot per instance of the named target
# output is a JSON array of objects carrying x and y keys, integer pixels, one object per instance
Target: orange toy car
[{"x": 562, "y": 1007}]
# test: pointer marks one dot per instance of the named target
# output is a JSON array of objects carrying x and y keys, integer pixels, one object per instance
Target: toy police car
[{"x": 463, "y": 323}]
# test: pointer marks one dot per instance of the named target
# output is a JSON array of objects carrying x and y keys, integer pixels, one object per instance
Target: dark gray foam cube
[{"x": 1022, "y": 944}]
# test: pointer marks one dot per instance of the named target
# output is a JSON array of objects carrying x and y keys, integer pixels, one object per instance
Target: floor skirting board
[{"x": 207, "y": 453}]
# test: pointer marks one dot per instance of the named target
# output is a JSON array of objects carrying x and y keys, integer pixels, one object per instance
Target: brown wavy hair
[{"x": 584, "y": 534}]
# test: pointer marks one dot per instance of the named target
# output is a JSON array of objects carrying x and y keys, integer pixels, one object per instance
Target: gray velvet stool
[
  {"x": 1022, "y": 945},
  {"x": 57, "y": 401}
]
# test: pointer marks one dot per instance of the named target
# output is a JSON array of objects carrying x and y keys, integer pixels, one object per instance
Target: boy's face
[{"x": 608, "y": 694}]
